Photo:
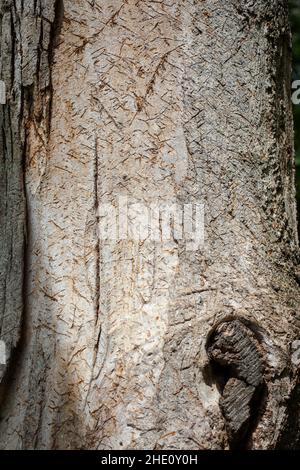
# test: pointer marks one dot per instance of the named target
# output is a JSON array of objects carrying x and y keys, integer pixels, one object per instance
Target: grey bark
[
  {"x": 129, "y": 345},
  {"x": 26, "y": 41}
]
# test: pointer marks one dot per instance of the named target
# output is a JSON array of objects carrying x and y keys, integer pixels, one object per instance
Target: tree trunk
[{"x": 126, "y": 342}]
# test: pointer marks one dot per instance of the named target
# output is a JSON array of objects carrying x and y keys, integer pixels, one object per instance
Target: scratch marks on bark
[
  {"x": 150, "y": 87},
  {"x": 161, "y": 101}
]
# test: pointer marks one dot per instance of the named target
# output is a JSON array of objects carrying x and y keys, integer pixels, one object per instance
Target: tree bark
[{"x": 129, "y": 344}]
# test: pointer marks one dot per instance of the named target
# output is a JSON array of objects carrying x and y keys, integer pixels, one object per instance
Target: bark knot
[{"x": 237, "y": 361}]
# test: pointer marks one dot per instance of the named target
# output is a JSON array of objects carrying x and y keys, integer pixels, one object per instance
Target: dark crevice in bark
[
  {"x": 56, "y": 28},
  {"x": 55, "y": 32}
]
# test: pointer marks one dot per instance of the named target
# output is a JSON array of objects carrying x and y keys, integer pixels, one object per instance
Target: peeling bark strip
[
  {"x": 234, "y": 348},
  {"x": 26, "y": 49}
]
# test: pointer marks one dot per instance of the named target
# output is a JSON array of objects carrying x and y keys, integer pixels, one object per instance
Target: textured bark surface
[
  {"x": 177, "y": 101},
  {"x": 26, "y": 47}
]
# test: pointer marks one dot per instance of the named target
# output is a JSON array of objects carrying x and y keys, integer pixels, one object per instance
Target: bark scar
[{"x": 237, "y": 360}]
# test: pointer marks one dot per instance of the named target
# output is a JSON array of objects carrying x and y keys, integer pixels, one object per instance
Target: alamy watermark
[
  {"x": 2, "y": 92},
  {"x": 127, "y": 219},
  {"x": 2, "y": 353},
  {"x": 296, "y": 93}
]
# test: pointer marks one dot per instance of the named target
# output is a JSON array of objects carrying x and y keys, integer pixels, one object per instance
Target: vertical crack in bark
[
  {"x": 54, "y": 35},
  {"x": 238, "y": 366},
  {"x": 97, "y": 271},
  {"x": 96, "y": 203}
]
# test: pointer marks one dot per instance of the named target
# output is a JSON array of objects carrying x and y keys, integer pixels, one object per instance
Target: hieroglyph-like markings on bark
[{"x": 234, "y": 350}]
